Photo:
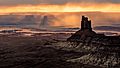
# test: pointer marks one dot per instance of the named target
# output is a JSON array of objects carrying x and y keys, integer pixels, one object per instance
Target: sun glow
[{"x": 61, "y": 8}]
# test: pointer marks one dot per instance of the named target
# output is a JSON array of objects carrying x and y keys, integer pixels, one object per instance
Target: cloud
[{"x": 69, "y": 7}]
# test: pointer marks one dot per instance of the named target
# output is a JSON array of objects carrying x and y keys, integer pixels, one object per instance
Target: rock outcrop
[{"x": 87, "y": 35}]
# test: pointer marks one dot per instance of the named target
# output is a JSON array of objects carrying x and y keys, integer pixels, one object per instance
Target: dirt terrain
[{"x": 31, "y": 52}]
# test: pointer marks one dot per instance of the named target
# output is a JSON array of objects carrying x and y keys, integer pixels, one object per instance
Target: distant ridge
[{"x": 109, "y": 28}]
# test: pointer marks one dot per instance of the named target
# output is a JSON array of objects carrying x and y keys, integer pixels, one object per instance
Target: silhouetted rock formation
[
  {"x": 85, "y": 23},
  {"x": 87, "y": 35}
]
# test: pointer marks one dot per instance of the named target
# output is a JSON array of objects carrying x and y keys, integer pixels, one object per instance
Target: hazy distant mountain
[
  {"x": 28, "y": 19},
  {"x": 19, "y": 20},
  {"x": 69, "y": 20}
]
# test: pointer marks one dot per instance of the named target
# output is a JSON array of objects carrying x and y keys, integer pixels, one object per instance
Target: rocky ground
[{"x": 47, "y": 51}]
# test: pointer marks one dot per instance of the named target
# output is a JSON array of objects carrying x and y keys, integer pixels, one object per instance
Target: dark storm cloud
[{"x": 17, "y": 2}]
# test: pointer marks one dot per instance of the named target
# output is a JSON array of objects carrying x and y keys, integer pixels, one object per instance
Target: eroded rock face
[
  {"x": 97, "y": 55},
  {"x": 98, "y": 59}
]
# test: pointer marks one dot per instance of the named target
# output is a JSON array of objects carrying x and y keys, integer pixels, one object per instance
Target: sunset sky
[
  {"x": 101, "y": 12},
  {"x": 9, "y": 6}
]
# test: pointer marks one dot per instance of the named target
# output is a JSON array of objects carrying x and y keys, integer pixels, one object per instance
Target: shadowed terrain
[{"x": 33, "y": 52}]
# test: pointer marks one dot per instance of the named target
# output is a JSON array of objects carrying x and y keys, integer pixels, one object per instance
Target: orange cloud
[{"x": 69, "y": 7}]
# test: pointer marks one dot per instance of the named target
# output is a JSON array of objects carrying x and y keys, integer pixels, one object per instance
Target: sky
[
  {"x": 10, "y": 6},
  {"x": 19, "y": 6}
]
